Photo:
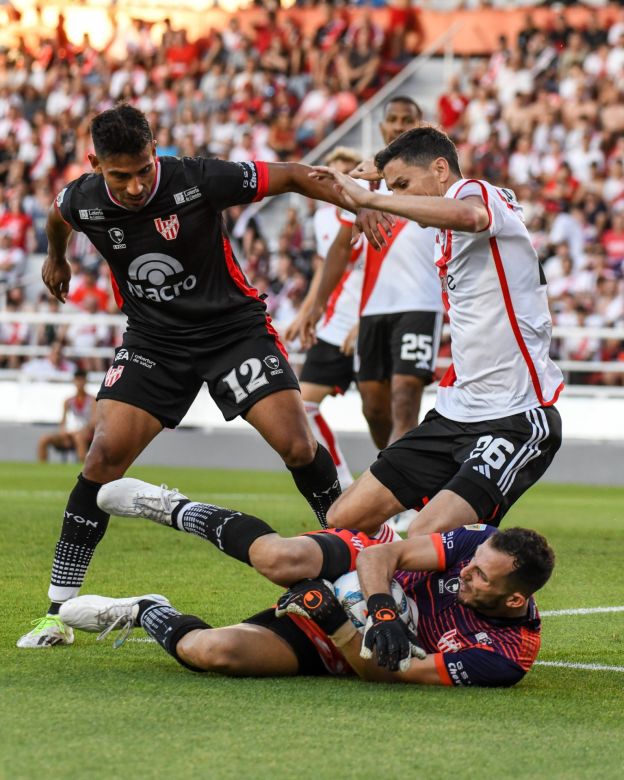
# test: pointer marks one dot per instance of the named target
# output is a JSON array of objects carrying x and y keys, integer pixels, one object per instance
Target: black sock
[
  {"x": 54, "y": 608},
  {"x": 167, "y": 626},
  {"x": 232, "y": 532},
  {"x": 84, "y": 524},
  {"x": 318, "y": 483}
]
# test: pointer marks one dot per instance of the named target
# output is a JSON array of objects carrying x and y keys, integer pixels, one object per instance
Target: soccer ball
[{"x": 349, "y": 594}]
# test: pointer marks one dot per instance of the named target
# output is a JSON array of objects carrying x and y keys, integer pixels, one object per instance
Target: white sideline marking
[
  {"x": 145, "y": 639},
  {"x": 584, "y": 667},
  {"x": 582, "y": 611}
]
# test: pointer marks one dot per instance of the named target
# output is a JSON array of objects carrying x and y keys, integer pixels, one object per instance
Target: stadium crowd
[
  {"x": 543, "y": 116},
  {"x": 271, "y": 95}
]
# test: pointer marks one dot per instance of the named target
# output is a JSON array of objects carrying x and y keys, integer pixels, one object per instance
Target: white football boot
[
  {"x": 402, "y": 520},
  {"x": 130, "y": 497},
  {"x": 104, "y": 614},
  {"x": 47, "y": 632}
]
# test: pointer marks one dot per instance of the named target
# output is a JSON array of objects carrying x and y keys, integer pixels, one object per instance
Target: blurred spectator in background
[
  {"x": 54, "y": 366},
  {"x": 543, "y": 115},
  {"x": 77, "y": 424}
]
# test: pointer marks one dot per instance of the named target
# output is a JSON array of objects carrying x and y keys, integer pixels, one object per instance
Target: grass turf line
[{"x": 88, "y": 711}]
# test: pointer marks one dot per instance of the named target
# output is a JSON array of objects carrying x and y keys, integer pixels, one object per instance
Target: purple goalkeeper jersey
[{"x": 469, "y": 648}]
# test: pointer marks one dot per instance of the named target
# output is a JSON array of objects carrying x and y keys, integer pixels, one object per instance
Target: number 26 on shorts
[{"x": 492, "y": 451}]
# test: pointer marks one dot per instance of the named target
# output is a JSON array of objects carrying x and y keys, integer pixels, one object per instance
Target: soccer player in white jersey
[
  {"x": 400, "y": 307},
  {"x": 329, "y": 369},
  {"x": 494, "y": 429}
]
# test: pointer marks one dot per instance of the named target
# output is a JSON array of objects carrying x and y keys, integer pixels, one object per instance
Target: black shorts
[
  {"x": 401, "y": 343},
  {"x": 490, "y": 464},
  {"x": 163, "y": 378},
  {"x": 310, "y": 662},
  {"x": 326, "y": 365}
]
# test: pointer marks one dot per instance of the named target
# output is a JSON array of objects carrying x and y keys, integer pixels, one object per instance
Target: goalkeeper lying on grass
[{"x": 477, "y": 621}]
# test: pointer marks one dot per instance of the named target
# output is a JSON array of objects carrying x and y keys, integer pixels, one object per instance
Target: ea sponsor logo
[
  {"x": 152, "y": 277},
  {"x": 122, "y": 354}
]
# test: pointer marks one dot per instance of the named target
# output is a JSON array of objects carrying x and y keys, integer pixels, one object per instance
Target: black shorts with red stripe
[
  {"x": 490, "y": 463},
  {"x": 164, "y": 378}
]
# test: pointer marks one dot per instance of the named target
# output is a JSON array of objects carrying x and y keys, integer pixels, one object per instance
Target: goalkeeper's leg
[
  {"x": 245, "y": 537},
  {"x": 246, "y": 649}
]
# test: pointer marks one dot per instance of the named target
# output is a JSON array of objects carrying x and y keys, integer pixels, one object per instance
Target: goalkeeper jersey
[{"x": 469, "y": 648}]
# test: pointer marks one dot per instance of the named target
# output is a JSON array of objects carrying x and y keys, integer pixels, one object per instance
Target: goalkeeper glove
[
  {"x": 386, "y": 633},
  {"x": 315, "y": 600}
]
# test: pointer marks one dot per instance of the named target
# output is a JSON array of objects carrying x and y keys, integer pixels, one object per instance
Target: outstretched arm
[
  {"x": 468, "y": 215},
  {"x": 295, "y": 177},
  {"x": 376, "y": 565}
]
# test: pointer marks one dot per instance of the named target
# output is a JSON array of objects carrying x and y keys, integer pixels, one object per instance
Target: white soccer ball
[{"x": 349, "y": 594}]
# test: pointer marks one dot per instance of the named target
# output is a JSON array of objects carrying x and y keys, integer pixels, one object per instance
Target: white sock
[{"x": 325, "y": 435}]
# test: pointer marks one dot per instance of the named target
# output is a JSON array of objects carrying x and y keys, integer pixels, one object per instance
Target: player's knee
[
  {"x": 282, "y": 562},
  {"x": 336, "y": 515},
  {"x": 210, "y": 650},
  {"x": 299, "y": 450},
  {"x": 104, "y": 463},
  {"x": 375, "y": 410}
]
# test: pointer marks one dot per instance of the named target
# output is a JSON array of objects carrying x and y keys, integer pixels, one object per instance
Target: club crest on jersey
[
  {"x": 168, "y": 228},
  {"x": 448, "y": 642},
  {"x": 112, "y": 375},
  {"x": 117, "y": 236}
]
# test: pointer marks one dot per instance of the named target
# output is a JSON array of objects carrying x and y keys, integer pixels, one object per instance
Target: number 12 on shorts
[{"x": 251, "y": 368}]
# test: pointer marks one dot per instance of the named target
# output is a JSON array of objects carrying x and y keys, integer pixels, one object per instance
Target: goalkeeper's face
[{"x": 484, "y": 583}]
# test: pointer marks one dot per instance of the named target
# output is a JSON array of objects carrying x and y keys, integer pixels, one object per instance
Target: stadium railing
[{"x": 118, "y": 321}]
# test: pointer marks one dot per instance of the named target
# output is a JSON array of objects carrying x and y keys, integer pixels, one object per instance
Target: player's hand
[
  {"x": 315, "y": 600},
  {"x": 291, "y": 333},
  {"x": 307, "y": 326},
  {"x": 387, "y": 635},
  {"x": 366, "y": 170},
  {"x": 354, "y": 195},
  {"x": 348, "y": 345},
  {"x": 376, "y": 226},
  {"x": 56, "y": 276}
]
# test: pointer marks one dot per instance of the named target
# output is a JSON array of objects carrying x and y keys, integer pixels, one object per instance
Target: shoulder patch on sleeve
[{"x": 476, "y": 527}]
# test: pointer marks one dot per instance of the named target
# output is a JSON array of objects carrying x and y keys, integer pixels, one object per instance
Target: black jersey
[{"x": 174, "y": 273}]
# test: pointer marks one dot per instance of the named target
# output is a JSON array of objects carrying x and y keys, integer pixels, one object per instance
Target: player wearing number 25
[
  {"x": 192, "y": 318},
  {"x": 494, "y": 430}
]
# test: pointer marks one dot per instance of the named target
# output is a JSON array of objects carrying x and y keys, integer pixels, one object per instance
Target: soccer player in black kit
[{"x": 192, "y": 318}]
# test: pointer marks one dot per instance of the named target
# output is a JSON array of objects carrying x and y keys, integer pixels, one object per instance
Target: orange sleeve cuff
[
  {"x": 441, "y": 669},
  {"x": 440, "y": 552}
]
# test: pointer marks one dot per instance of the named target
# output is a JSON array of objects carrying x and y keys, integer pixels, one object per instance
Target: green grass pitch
[{"x": 89, "y": 711}]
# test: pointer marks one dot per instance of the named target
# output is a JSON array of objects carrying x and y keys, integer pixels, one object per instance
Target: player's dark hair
[
  {"x": 420, "y": 146},
  {"x": 120, "y": 130},
  {"x": 408, "y": 101},
  {"x": 533, "y": 558}
]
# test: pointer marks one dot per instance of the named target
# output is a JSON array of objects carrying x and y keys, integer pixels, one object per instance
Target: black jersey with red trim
[
  {"x": 469, "y": 648},
  {"x": 173, "y": 270}
]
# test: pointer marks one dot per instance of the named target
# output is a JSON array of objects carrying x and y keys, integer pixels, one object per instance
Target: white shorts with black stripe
[{"x": 489, "y": 463}]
